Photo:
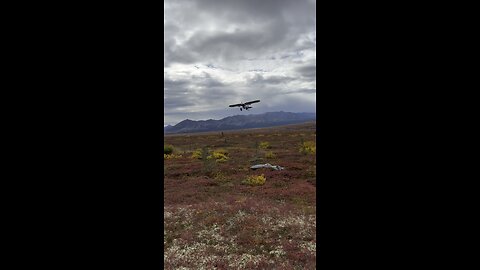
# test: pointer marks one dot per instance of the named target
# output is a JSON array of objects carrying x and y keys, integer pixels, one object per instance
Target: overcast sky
[{"x": 221, "y": 52}]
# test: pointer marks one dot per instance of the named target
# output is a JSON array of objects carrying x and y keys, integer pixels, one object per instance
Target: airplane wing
[
  {"x": 235, "y": 105},
  {"x": 250, "y": 102}
]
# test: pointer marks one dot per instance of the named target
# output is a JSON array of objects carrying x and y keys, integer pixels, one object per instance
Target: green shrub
[{"x": 168, "y": 149}]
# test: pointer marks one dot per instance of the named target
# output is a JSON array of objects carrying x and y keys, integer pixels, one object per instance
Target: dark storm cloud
[
  {"x": 308, "y": 71},
  {"x": 175, "y": 102},
  {"x": 242, "y": 11},
  {"x": 199, "y": 89},
  {"x": 236, "y": 45},
  {"x": 221, "y": 51},
  {"x": 257, "y": 27}
]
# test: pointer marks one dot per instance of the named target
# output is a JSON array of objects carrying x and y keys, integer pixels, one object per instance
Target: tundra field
[{"x": 220, "y": 214}]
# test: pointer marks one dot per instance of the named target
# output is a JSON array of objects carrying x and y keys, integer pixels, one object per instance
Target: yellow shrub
[
  {"x": 222, "y": 151},
  {"x": 171, "y": 156},
  {"x": 264, "y": 145},
  {"x": 255, "y": 180},
  {"x": 219, "y": 156},
  {"x": 308, "y": 147},
  {"x": 197, "y": 154}
]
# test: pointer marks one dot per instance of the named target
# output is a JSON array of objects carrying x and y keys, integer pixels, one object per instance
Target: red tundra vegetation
[{"x": 214, "y": 220}]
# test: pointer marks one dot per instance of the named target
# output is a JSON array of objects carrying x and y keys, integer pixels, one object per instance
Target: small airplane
[{"x": 244, "y": 105}]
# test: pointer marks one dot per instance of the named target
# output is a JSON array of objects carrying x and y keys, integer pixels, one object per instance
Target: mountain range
[{"x": 268, "y": 119}]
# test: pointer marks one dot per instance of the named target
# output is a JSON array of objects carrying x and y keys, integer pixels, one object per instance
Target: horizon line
[{"x": 164, "y": 125}]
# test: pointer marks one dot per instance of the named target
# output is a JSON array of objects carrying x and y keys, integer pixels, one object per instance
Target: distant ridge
[{"x": 268, "y": 119}]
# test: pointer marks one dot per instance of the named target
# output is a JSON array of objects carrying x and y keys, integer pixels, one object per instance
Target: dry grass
[{"x": 213, "y": 221}]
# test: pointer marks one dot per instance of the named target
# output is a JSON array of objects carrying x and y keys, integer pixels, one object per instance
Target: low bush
[
  {"x": 219, "y": 156},
  {"x": 171, "y": 156},
  {"x": 220, "y": 177},
  {"x": 270, "y": 155},
  {"x": 222, "y": 151},
  {"x": 167, "y": 149},
  {"x": 265, "y": 145},
  {"x": 308, "y": 147},
  {"x": 197, "y": 154},
  {"x": 258, "y": 180}
]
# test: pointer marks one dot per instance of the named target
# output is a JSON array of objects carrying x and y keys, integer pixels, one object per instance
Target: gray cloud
[
  {"x": 308, "y": 71},
  {"x": 218, "y": 52},
  {"x": 259, "y": 79}
]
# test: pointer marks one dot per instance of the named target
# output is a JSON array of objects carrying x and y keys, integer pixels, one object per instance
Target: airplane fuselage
[{"x": 245, "y": 107}]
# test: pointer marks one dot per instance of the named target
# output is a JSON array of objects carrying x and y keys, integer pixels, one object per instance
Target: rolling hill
[{"x": 241, "y": 122}]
